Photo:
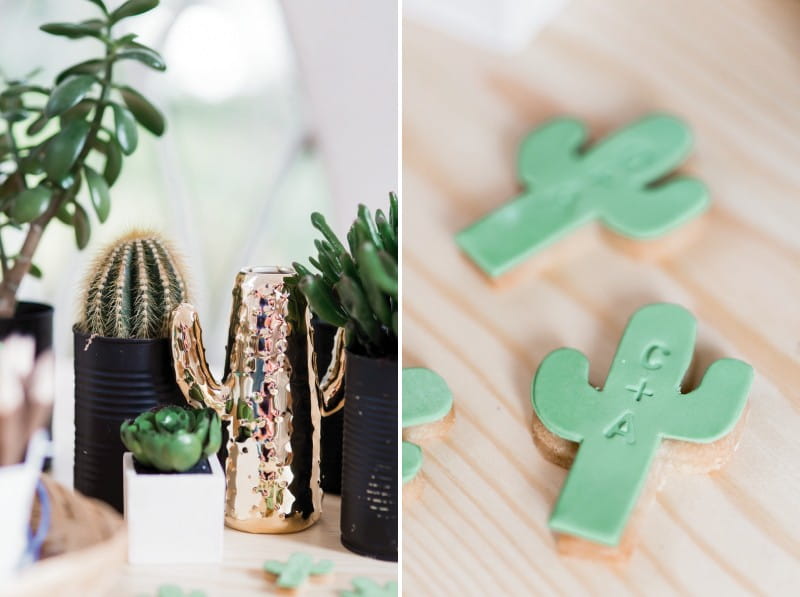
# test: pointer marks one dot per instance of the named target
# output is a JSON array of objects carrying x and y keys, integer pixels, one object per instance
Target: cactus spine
[{"x": 133, "y": 288}]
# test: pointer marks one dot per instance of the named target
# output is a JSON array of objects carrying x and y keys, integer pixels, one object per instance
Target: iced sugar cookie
[
  {"x": 615, "y": 182},
  {"x": 366, "y": 587},
  {"x": 427, "y": 413},
  {"x": 629, "y": 432},
  {"x": 291, "y": 576}
]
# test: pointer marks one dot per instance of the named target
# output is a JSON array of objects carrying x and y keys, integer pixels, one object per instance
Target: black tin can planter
[
  {"x": 332, "y": 407},
  {"x": 115, "y": 379},
  {"x": 369, "y": 522},
  {"x": 30, "y": 319}
]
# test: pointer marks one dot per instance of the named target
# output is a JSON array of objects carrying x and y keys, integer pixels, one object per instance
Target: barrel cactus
[
  {"x": 173, "y": 438},
  {"x": 357, "y": 289},
  {"x": 133, "y": 288}
]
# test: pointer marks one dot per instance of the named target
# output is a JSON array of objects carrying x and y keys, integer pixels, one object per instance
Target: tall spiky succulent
[
  {"x": 133, "y": 288},
  {"x": 357, "y": 289}
]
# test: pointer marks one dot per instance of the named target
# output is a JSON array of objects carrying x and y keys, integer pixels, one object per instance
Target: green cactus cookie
[
  {"x": 176, "y": 591},
  {"x": 620, "y": 427},
  {"x": 297, "y": 570},
  {"x": 426, "y": 399},
  {"x": 567, "y": 187},
  {"x": 366, "y": 587}
]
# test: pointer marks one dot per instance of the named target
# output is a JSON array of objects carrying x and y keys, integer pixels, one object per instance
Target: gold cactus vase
[{"x": 268, "y": 400}]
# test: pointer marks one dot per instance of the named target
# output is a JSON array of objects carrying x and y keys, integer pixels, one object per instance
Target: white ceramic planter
[
  {"x": 174, "y": 518},
  {"x": 17, "y": 487}
]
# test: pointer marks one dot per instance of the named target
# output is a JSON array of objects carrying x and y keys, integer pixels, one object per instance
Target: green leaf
[
  {"x": 68, "y": 93},
  {"x": 73, "y": 30},
  {"x": 64, "y": 148},
  {"x": 37, "y": 126},
  {"x": 98, "y": 191},
  {"x": 125, "y": 40},
  {"x": 145, "y": 113},
  {"x": 80, "y": 111},
  {"x": 144, "y": 55},
  {"x": 30, "y": 204},
  {"x": 132, "y": 8},
  {"x": 126, "y": 129},
  {"x": 35, "y": 271},
  {"x": 87, "y": 67},
  {"x": 101, "y": 5},
  {"x": 113, "y": 166},
  {"x": 66, "y": 212},
  {"x": 80, "y": 221}
]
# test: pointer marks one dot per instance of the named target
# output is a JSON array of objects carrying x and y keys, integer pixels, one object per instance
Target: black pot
[
  {"x": 332, "y": 417},
  {"x": 369, "y": 522},
  {"x": 115, "y": 379},
  {"x": 30, "y": 319}
]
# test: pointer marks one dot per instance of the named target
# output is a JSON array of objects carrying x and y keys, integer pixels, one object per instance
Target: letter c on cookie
[{"x": 653, "y": 357}]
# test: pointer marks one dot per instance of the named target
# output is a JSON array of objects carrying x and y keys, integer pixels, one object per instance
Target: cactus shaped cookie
[
  {"x": 293, "y": 574},
  {"x": 615, "y": 182},
  {"x": 620, "y": 428},
  {"x": 366, "y": 587},
  {"x": 427, "y": 413}
]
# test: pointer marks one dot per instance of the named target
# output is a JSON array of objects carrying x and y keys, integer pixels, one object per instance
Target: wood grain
[{"x": 732, "y": 70}]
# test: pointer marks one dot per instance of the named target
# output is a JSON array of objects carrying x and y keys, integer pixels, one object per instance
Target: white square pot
[{"x": 174, "y": 518}]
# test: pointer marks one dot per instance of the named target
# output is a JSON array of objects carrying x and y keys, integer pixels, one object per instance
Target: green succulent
[
  {"x": 357, "y": 288},
  {"x": 172, "y": 438}
]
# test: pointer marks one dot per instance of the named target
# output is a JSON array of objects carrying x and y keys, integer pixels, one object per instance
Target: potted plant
[
  {"x": 62, "y": 148},
  {"x": 123, "y": 359},
  {"x": 357, "y": 290},
  {"x": 174, "y": 489},
  {"x": 26, "y": 395}
]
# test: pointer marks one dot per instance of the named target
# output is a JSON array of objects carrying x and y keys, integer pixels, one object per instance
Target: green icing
[
  {"x": 567, "y": 188},
  {"x": 426, "y": 399},
  {"x": 620, "y": 427},
  {"x": 297, "y": 570},
  {"x": 176, "y": 591},
  {"x": 412, "y": 461},
  {"x": 366, "y": 587}
]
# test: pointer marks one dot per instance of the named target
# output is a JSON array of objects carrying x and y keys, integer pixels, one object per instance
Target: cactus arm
[
  {"x": 370, "y": 272},
  {"x": 641, "y": 152},
  {"x": 550, "y": 150},
  {"x": 562, "y": 397},
  {"x": 318, "y": 221},
  {"x": 192, "y": 373},
  {"x": 509, "y": 235},
  {"x": 356, "y": 304},
  {"x": 650, "y": 213},
  {"x": 712, "y": 410},
  {"x": 426, "y": 397},
  {"x": 412, "y": 461},
  {"x": 322, "y": 567}
]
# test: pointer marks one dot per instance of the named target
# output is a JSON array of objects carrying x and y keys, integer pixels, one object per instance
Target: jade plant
[
  {"x": 132, "y": 289},
  {"x": 173, "y": 438},
  {"x": 355, "y": 288},
  {"x": 57, "y": 140}
]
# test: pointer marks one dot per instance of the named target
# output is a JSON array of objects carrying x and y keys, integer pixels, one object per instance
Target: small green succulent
[
  {"x": 357, "y": 289},
  {"x": 172, "y": 438}
]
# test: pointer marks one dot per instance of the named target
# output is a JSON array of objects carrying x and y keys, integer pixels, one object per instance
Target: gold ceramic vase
[{"x": 268, "y": 400}]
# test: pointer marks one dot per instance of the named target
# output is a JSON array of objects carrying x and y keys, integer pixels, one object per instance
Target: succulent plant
[
  {"x": 357, "y": 289},
  {"x": 53, "y": 138},
  {"x": 172, "y": 438},
  {"x": 132, "y": 289}
]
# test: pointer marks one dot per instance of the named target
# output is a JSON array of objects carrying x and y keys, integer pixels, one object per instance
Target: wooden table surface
[
  {"x": 240, "y": 573},
  {"x": 732, "y": 70}
]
